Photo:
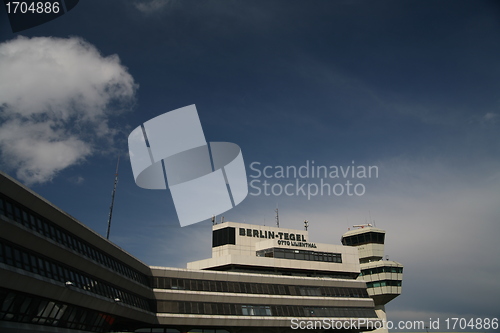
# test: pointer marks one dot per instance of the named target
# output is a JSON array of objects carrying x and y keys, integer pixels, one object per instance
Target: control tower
[{"x": 383, "y": 277}]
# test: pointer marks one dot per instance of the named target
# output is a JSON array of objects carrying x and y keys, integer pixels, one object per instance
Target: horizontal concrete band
[{"x": 243, "y": 321}]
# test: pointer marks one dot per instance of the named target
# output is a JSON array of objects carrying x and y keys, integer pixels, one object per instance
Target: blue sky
[{"x": 411, "y": 87}]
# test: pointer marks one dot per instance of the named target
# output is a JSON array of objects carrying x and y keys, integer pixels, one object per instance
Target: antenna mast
[
  {"x": 113, "y": 198},
  {"x": 277, "y": 217}
]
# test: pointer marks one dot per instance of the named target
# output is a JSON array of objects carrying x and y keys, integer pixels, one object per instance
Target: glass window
[
  {"x": 362, "y": 238},
  {"x": 8, "y": 210},
  {"x": 7, "y": 302},
  {"x": 55, "y": 271},
  {"x": 17, "y": 214},
  {"x": 9, "y": 257},
  {"x": 52, "y": 232},
  {"x": 26, "y": 218},
  {"x": 32, "y": 222},
  {"x": 39, "y": 226},
  {"x": 45, "y": 229},
  {"x": 48, "y": 269},
  {"x": 25, "y": 305},
  {"x": 41, "y": 267},
  {"x": 281, "y": 290},
  {"x": 2, "y": 209},
  {"x": 278, "y": 253},
  {"x": 17, "y": 259},
  {"x": 57, "y": 235}
]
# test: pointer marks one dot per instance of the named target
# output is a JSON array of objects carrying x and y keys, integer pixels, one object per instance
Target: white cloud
[
  {"x": 148, "y": 7},
  {"x": 38, "y": 150},
  {"x": 490, "y": 116},
  {"x": 55, "y": 97}
]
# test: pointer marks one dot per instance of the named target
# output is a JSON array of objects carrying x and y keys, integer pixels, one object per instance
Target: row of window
[
  {"x": 368, "y": 237},
  {"x": 230, "y": 309},
  {"x": 300, "y": 255},
  {"x": 256, "y": 288},
  {"x": 24, "y": 259},
  {"x": 24, "y": 308},
  {"x": 20, "y": 214},
  {"x": 383, "y": 269},
  {"x": 290, "y": 272},
  {"x": 384, "y": 283}
]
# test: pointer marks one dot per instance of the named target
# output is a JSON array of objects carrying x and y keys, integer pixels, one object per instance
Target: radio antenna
[
  {"x": 113, "y": 198},
  {"x": 277, "y": 217}
]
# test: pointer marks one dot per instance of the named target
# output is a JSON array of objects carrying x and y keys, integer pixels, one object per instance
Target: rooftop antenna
[
  {"x": 306, "y": 224},
  {"x": 277, "y": 217},
  {"x": 113, "y": 198}
]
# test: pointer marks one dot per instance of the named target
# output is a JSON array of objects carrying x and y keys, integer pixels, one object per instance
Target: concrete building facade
[{"x": 57, "y": 275}]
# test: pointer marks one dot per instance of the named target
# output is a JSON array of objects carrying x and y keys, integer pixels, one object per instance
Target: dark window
[
  {"x": 9, "y": 259},
  {"x": 26, "y": 219},
  {"x": 19, "y": 307},
  {"x": 224, "y": 236},
  {"x": 300, "y": 255},
  {"x": 8, "y": 210},
  {"x": 51, "y": 230},
  {"x": 22, "y": 258},
  {"x": 2, "y": 209},
  {"x": 17, "y": 214},
  {"x": 369, "y": 237}
]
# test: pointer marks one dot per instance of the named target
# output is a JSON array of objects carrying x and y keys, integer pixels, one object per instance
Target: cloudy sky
[{"x": 410, "y": 87}]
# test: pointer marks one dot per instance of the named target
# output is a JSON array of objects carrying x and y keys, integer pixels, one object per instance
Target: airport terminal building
[{"x": 57, "y": 275}]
